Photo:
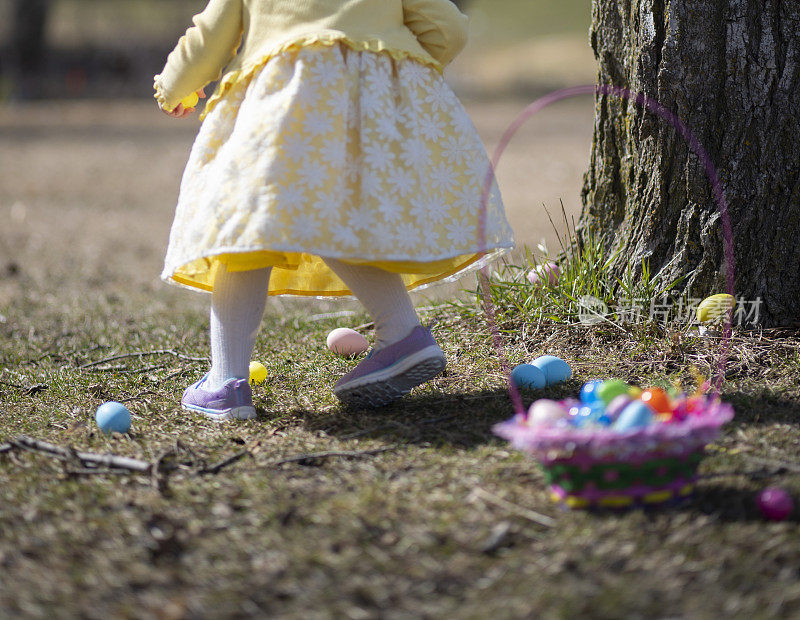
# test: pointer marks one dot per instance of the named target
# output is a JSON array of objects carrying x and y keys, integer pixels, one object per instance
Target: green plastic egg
[{"x": 611, "y": 388}]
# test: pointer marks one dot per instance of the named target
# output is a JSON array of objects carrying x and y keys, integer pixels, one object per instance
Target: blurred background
[
  {"x": 111, "y": 48},
  {"x": 80, "y": 135}
]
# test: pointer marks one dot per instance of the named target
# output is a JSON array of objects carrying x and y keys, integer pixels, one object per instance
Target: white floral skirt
[{"x": 328, "y": 151}]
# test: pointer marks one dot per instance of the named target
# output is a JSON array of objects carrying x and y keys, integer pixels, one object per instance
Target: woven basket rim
[{"x": 685, "y": 436}]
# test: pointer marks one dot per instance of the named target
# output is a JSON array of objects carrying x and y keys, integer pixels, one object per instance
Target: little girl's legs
[
  {"x": 237, "y": 307},
  {"x": 384, "y": 296},
  {"x": 405, "y": 353}
]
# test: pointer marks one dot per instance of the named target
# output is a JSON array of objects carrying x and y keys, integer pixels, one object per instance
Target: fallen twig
[
  {"x": 142, "y": 354},
  {"x": 86, "y": 462},
  {"x": 215, "y": 469},
  {"x": 315, "y": 456},
  {"x": 526, "y": 513},
  {"x": 139, "y": 396},
  {"x": 331, "y": 315},
  {"x": 156, "y": 480},
  {"x": 67, "y": 454}
]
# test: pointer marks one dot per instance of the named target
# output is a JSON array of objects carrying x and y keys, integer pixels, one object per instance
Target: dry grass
[{"x": 435, "y": 521}]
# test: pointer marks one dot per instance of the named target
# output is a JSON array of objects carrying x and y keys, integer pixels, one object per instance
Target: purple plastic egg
[
  {"x": 775, "y": 503},
  {"x": 617, "y": 404},
  {"x": 548, "y": 272}
]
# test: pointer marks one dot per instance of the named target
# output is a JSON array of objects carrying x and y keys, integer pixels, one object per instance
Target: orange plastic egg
[{"x": 657, "y": 399}]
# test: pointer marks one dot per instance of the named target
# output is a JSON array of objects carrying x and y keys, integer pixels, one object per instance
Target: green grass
[
  {"x": 586, "y": 289},
  {"x": 413, "y": 530}
]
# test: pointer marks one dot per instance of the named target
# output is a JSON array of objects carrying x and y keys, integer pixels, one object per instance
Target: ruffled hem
[
  {"x": 320, "y": 38},
  {"x": 415, "y": 279}
]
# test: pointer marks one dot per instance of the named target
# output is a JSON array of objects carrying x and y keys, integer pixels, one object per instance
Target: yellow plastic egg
[
  {"x": 190, "y": 100},
  {"x": 634, "y": 391},
  {"x": 715, "y": 308},
  {"x": 258, "y": 373}
]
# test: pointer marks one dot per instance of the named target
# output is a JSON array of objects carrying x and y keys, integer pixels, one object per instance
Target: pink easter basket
[{"x": 603, "y": 468}]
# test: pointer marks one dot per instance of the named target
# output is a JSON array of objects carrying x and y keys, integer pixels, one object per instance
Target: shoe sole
[
  {"x": 382, "y": 387},
  {"x": 236, "y": 413}
]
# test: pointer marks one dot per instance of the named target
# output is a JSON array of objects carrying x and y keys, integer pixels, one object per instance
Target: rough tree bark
[{"x": 730, "y": 70}]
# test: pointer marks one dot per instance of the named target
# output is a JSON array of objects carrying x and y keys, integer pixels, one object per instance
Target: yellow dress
[{"x": 327, "y": 149}]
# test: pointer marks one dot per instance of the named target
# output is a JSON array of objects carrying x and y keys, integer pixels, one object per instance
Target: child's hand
[{"x": 181, "y": 111}]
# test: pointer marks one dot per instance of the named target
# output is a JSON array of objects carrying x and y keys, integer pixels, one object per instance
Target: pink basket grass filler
[{"x": 602, "y": 468}]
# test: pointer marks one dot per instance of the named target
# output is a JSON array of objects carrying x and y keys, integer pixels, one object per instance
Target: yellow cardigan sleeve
[
  {"x": 438, "y": 25},
  {"x": 201, "y": 53}
]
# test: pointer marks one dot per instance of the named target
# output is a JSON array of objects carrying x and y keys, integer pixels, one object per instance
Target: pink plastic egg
[
  {"x": 775, "y": 503},
  {"x": 545, "y": 412},
  {"x": 345, "y": 341},
  {"x": 547, "y": 272}
]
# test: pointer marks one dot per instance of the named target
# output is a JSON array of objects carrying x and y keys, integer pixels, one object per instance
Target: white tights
[{"x": 239, "y": 299}]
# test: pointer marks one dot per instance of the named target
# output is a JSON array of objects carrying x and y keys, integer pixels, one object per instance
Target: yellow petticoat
[{"x": 329, "y": 151}]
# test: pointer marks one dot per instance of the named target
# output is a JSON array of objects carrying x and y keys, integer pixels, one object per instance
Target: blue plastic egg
[
  {"x": 528, "y": 377},
  {"x": 588, "y": 414},
  {"x": 554, "y": 368},
  {"x": 635, "y": 415},
  {"x": 589, "y": 393},
  {"x": 113, "y": 417},
  {"x": 604, "y": 420}
]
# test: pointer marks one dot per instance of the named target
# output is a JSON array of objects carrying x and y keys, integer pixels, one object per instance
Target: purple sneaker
[
  {"x": 390, "y": 373},
  {"x": 233, "y": 401}
]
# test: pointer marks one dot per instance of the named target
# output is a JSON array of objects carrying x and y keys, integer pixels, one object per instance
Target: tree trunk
[{"x": 730, "y": 71}]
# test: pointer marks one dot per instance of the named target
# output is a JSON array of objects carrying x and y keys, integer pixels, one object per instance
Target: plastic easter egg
[
  {"x": 528, "y": 377},
  {"x": 190, "y": 101},
  {"x": 588, "y": 415},
  {"x": 554, "y": 368},
  {"x": 615, "y": 407},
  {"x": 604, "y": 420},
  {"x": 547, "y": 272},
  {"x": 568, "y": 403},
  {"x": 346, "y": 341},
  {"x": 610, "y": 389},
  {"x": 715, "y": 308},
  {"x": 545, "y": 412},
  {"x": 657, "y": 400},
  {"x": 113, "y": 417},
  {"x": 589, "y": 392},
  {"x": 634, "y": 391},
  {"x": 258, "y": 373},
  {"x": 775, "y": 503},
  {"x": 681, "y": 410},
  {"x": 695, "y": 405},
  {"x": 635, "y": 415}
]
